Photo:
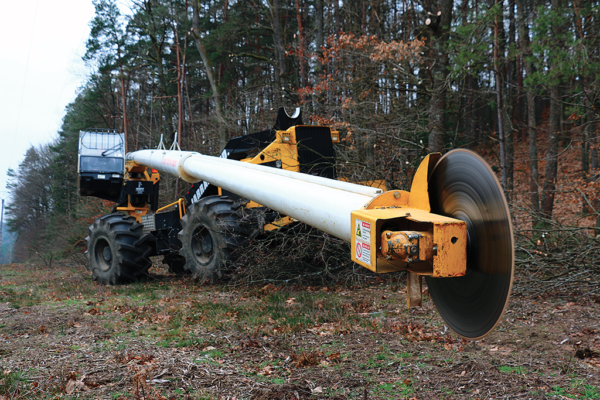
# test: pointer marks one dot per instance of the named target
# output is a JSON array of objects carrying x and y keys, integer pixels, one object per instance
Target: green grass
[
  {"x": 187, "y": 394},
  {"x": 384, "y": 390},
  {"x": 137, "y": 306},
  {"x": 12, "y": 383},
  {"x": 590, "y": 392},
  {"x": 236, "y": 321},
  {"x": 512, "y": 370},
  {"x": 270, "y": 379},
  {"x": 394, "y": 390},
  {"x": 560, "y": 391},
  {"x": 19, "y": 297},
  {"x": 577, "y": 390},
  {"x": 212, "y": 353},
  {"x": 118, "y": 395}
]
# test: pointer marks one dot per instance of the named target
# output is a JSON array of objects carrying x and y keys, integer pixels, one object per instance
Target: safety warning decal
[
  {"x": 363, "y": 231},
  {"x": 363, "y": 252},
  {"x": 362, "y": 234}
]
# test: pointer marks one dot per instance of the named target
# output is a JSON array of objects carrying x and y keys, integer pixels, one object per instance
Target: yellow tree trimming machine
[{"x": 453, "y": 227}]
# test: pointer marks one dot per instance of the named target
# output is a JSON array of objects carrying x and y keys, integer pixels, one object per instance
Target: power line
[
  {"x": 24, "y": 82},
  {"x": 1, "y": 224},
  {"x": 70, "y": 72}
]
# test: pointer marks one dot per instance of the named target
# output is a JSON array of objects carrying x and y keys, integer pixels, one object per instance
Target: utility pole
[{"x": 1, "y": 226}]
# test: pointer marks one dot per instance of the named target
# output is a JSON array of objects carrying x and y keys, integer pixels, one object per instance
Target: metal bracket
[
  {"x": 412, "y": 249},
  {"x": 414, "y": 290}
]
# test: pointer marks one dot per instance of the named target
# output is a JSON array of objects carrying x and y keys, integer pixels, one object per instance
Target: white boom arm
[
  {"x": 323, "y": 203},
  {"x": 391, "y": 231}
]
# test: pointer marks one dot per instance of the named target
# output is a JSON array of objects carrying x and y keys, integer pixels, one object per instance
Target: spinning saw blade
[{"x": 463, "y": 186}]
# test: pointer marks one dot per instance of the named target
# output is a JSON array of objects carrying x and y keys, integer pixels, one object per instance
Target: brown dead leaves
[
  {"x": 141, "y": 315},
  {"x": 369, "y": 45},
  {"x": 585, "y": 352},
  {"x": 352, "y": 59},
  {"x": 305, "y": 359},
  {"x": 575, "y": 192},
  {"x": 397, "y": 50},
  {"x": 93, "y": 311},
  {"x": 327, "y": 329},
  {"x": 270, "y": 288},
  {"x": 74, "y": 384},
  {"x": 312, "y": 358},
  {"x": 139, "y": 368},
  {"x": 128, "y": 358}
]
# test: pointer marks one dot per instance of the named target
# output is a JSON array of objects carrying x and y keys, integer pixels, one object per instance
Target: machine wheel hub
[
  {"x": 103, "y": 254},
  {"x": 202, "y": 245}
]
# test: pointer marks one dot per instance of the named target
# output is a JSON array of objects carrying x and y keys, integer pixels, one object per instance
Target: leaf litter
[{"x": 135, "y": 342}]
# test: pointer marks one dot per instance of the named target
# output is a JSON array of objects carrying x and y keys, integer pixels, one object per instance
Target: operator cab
[{"x": 101, "y": 163}]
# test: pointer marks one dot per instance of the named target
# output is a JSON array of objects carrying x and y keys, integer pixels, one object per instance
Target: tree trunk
[
  {"x": 553, "y": 138},
  {"x": 439, "y": 73},
  {"x": 509, "y": 104},
  {"x": 499, "y": 99},
  {"x": 124, "y": 105},
  {"x": 280, "y": 70},
  {"x": 210, "y": 74},
  {"x": 158, "y": 47},
  {"x": 180, "y": 71},
  {"x": 337, "y": 18},
  {"x": 586, "y": 122},
  {"x": 301, "y": 46},
  {"x": 531, "y": 124},
  {"x": 319, "y": 43},
  {"x": 466, "y": 95},
  {"x": 319, "y": 26},
  {"x": 552, "y": 154}
]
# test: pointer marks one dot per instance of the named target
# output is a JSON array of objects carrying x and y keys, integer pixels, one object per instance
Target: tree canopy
[{"x": 399, "y": 78}]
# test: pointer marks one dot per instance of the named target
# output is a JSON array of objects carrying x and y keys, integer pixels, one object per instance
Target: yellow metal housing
[
  {"x": 285, "y": 150},
  {"x": 443, "y": 251},
  {"x": 138, "y": 173},
  {"x": 407, "y": 246},
  {"x": 449, "y": 241},
  {"x": 181, "y": 207}
]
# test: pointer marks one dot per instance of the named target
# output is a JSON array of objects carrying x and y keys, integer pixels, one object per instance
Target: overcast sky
[{"x": 40, "y": 71}]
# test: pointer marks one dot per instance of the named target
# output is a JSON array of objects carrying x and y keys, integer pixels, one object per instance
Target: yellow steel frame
[
  {"x": 285, "y": 149},
  {"x": 399, "y": 210},
  {"x": 138, "y": 173},
  {"x": 180, "y": 202}
]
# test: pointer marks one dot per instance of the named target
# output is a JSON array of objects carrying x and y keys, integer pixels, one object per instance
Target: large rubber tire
[
  {"x": 213, "y": 229},
  {"x": 118, "y": 250}
]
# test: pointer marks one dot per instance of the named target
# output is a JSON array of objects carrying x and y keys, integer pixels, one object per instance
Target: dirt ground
[{"x": 62, "y": 336}]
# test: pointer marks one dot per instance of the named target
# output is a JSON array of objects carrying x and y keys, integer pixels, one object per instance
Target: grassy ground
[{"x": 62, "y": 336}]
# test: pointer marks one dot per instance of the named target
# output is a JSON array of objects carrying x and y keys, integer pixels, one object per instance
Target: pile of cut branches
[
  {"x": 297, "y": 254},
  {"x": 560, "y": 261}
]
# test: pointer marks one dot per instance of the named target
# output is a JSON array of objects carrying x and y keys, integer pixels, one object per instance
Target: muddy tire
[
  {"x": 213, "y": 229},
  {"x": 176, "y": 264},
  {"x": 118, "y": 251}
]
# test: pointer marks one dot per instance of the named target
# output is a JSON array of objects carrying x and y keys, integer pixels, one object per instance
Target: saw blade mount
[{"x": 463, "y": 186}]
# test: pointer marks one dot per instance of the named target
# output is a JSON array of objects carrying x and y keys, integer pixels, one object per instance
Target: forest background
[{"x": 516, "y": 81}]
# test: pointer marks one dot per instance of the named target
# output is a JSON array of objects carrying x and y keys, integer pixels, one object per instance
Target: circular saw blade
[{"x": 463, "y": 186}]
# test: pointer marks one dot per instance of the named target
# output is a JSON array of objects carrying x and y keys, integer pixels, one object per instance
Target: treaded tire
[
  {"x": 212, "y": 230},
  {"x": 118, "y": 251}
]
